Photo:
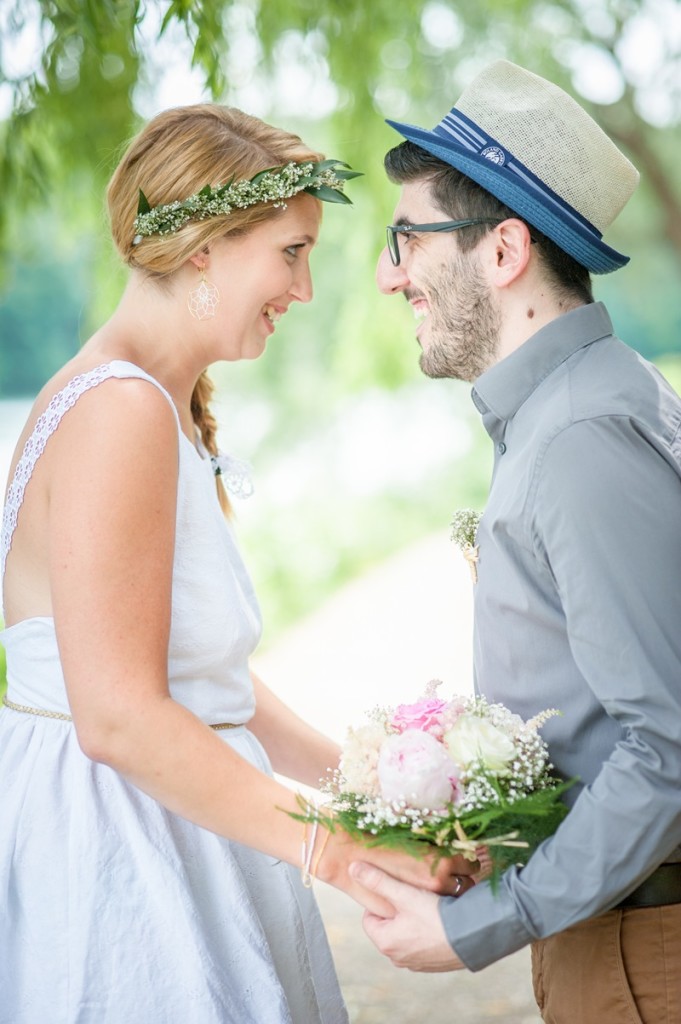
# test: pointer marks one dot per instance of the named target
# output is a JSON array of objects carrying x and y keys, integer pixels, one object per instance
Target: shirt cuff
[{"x": 483, "y": 926}]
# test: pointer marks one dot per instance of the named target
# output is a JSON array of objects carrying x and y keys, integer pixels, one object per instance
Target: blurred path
[
  {"x": 380, "y": 640},
  {"x": 377, "y": 993}
]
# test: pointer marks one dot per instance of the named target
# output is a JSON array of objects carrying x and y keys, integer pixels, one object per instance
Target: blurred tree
[
  {"x": 70, "y": 105},
  {"x": 406, "y": 59},
  {"x": 76, "y": 76},
  {"x": 43, "y": 304}
]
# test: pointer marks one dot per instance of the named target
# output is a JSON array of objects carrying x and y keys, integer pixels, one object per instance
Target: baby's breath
[
  {"x": 464, "y": 526},
  {"x": 324, "y": 180},
  {"x": 508, "y": 806}
]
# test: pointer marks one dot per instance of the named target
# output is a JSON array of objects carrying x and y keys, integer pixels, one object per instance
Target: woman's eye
[{"x": 292, "y": 250}]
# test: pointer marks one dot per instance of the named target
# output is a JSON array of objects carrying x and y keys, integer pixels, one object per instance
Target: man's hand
[{"x": 414, "y": 937}]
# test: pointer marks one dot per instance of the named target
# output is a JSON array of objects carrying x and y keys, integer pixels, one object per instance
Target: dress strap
[{"x": 45, "y": 426}]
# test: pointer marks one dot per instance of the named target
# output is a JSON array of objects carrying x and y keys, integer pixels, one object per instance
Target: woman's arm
[
  {"x": 296, "y": 749},
  {"x": 112, "y": 500}
]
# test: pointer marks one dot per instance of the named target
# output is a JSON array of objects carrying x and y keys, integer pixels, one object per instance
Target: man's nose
[{"x": 389, "y": 278}]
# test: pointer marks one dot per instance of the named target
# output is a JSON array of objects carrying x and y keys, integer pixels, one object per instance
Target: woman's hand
[{"x": 450, "y": 876}]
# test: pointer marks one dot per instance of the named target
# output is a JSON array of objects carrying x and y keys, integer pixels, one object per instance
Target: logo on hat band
[
  {"x": 579, "y": 179},
  {"x": 495, "y": 154},
  {"x": 459, "y": 128}
]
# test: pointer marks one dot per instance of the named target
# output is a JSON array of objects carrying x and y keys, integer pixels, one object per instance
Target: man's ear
[{"x": 512, "y": 251}]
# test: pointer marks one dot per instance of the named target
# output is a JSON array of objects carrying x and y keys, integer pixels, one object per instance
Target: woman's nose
[{"x": 302, "y": 286}]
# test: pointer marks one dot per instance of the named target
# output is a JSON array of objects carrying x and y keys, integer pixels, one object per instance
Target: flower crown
[{"x": 324, "y": 180}]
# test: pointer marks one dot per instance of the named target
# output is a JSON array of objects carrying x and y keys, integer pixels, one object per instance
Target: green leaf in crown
[{"x": 324, "y": 180}]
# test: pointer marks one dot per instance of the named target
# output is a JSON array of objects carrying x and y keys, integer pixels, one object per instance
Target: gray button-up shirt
[{"x": 578, "y": 607}]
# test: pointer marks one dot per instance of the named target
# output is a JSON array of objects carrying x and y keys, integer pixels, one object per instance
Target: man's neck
[{"x": 525, "y": 316}]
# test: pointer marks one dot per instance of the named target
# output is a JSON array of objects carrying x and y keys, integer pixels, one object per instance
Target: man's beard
[{"x": 464, "y": 326}]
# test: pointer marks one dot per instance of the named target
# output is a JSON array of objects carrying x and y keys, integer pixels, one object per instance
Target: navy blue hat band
[
  {"x": 523, "y": 193},
  {"x": 572, "y": 180},
  {"x": 455, "y": 125}
]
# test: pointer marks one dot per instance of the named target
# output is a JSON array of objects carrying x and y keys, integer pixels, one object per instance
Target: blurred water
[
  {"x": 378, "y": 440},
  {"x": 13, "y": 413}
]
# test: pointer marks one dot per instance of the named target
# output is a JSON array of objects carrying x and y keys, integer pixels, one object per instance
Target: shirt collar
[{"x": 503, "y": 388}]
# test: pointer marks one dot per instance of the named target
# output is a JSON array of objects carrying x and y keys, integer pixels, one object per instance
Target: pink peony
[
  {"x": 425, "y": 715},
  {"x": 414, "y": 767}
]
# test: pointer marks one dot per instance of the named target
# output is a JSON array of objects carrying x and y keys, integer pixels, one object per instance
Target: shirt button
[{"x": 501, "y": 447}]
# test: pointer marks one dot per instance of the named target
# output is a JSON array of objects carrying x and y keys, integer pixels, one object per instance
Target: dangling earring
[{"x": 203, "y": 300}]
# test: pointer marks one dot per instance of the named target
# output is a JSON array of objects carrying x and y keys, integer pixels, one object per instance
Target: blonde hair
[{"x": 173, "y": 157}]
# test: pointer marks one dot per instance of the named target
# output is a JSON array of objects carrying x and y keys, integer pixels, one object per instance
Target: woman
[{"x": 149, "y": 870}]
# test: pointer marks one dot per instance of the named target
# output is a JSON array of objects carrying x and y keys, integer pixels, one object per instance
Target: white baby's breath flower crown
[{"x": 324, "y": 180}]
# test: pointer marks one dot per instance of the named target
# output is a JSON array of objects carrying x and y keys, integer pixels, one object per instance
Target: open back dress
[{"x": 112, "y": 909}]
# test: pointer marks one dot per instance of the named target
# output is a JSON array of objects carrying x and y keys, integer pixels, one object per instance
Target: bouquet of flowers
[{"x": 446, "y": 776}]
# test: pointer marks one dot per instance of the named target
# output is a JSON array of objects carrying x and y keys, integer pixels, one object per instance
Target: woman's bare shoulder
[
  {"x": 119, "y": 418},
  {"x": 113, "y": 401}
]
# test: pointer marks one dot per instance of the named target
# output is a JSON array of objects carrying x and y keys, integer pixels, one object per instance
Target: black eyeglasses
[{"x": 393, "y": 230}]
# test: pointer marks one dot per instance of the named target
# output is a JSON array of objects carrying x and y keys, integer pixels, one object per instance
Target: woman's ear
[
  {"x": 511, "y": 251},
  {"x": 200, "y": 259}
]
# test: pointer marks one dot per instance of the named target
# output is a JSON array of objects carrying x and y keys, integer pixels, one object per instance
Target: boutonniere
[{"x": 464, "y": 525}]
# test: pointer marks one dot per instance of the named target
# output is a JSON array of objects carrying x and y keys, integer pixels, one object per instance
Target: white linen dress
[{"x": 112, "y": 909}]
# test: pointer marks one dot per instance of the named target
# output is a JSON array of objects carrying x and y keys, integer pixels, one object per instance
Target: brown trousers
[{"x": 623, "y": 967}]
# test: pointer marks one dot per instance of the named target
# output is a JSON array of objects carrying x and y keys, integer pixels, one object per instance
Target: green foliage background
[{"x": 98, "y": 65}]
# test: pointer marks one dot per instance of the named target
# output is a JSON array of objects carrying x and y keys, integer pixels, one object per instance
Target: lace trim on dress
[
  {"x": 236, "y": 474},
  {"x": 45, "y": 426}
]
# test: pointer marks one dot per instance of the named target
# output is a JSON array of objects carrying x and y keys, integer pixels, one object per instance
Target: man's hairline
[{"x": 426, "y": 179}]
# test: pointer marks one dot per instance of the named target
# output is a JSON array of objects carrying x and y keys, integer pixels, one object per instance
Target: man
[{"x": 578, "y": 599}]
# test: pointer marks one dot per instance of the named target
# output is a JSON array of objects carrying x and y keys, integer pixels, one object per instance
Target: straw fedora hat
[{"x": 534, "y": 148}]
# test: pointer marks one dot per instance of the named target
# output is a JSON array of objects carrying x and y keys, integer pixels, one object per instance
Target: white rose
[
  {"x": 359, "y": 759},
  {"x": 475, "y": 739}
]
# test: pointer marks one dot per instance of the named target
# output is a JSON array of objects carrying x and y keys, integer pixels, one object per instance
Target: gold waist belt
[{"x": 67, "y": 718}]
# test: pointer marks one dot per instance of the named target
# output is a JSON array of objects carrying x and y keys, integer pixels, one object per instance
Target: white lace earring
[{"x": 203, "y": 300}]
